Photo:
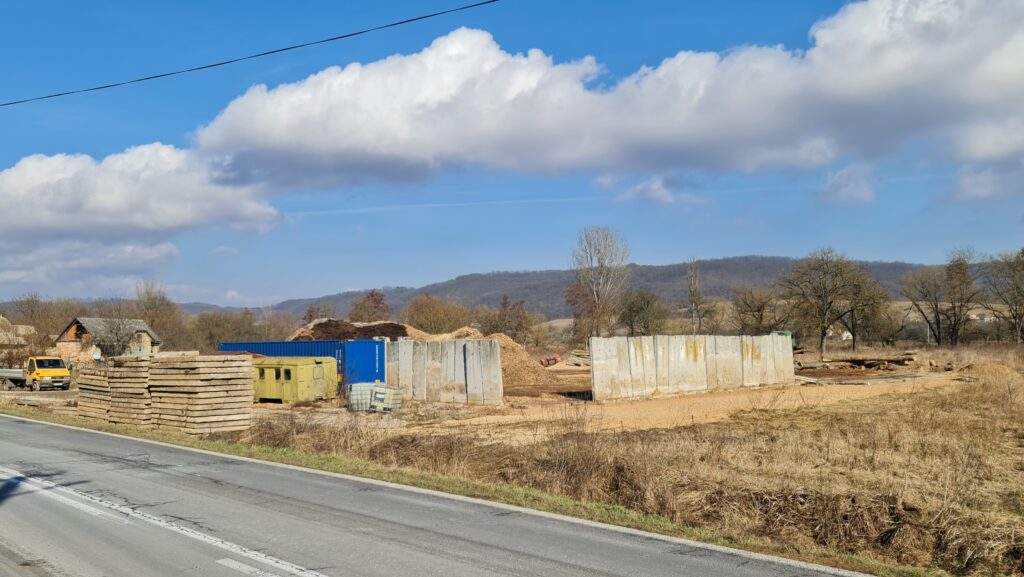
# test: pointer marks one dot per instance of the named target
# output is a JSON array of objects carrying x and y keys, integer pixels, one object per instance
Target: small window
[
  {"x": 262, "y": 376},
  {"x": 31, "y": 365},
  {"x": 287, "y": 374},
  {"x": 277, "y": 374}
]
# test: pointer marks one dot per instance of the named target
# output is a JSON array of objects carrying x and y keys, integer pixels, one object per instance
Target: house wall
[{"x": 637, "y": 367}]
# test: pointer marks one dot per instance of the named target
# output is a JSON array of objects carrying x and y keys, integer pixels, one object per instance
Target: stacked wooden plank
[
  {"x": 93, "y": 392},
  {"x": 130, "y": 401},
  {"x": 201, "y": 394}
]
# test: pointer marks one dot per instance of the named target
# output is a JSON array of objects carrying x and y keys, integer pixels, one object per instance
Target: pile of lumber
[
  {"x": 578, "y": 358},
  {"x": 130, "y": 402},
  {"x": 201, "y": 394},
  {"x": 93, "y": 393}
]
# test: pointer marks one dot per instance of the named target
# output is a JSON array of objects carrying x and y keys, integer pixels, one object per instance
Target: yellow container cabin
[{"x": 295, "y": 379}]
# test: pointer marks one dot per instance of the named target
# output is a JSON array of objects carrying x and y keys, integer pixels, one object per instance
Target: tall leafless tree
[
  {"x": 699, "y": 307},
  {"x": 757, "y": 311},
  {"x": 1002, "y": 277},
  {"x": 865, "y": 303},
  {"x": 599, "y": 267},
  {"x": 818, "y": 287},
  {"x": 962, "y": 292},
  {"x": 925, "y": 288}
]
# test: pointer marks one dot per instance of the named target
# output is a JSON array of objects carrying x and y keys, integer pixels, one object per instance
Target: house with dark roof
[{"x": 87, "y": 338}]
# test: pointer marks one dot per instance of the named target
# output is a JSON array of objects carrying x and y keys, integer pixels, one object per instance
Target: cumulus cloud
[
  {"x": 155, "y": 189},
  {"x": 878, "y": 75},
  {"x": 75, "y": 215},
  {"x": 851, "y": 184}
]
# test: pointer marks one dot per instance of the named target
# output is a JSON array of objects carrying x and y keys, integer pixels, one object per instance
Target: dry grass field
[
  {"x": 930, "y": 478},
  {"x": 924, "y": 477}
]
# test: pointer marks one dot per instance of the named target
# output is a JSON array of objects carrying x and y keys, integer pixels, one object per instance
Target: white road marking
[
  {"x": 52, "y": 489},
  {"x": 30, "y": 488},
  {"x": 247, "y": 569}
]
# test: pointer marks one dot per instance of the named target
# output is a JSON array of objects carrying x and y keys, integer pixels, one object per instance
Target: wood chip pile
[
  {"x": 130, "y": 403},
  {"x": 186, "y": 392},
  {"x": 201, "y": 394},
  {"x": 93, "y": 393}
]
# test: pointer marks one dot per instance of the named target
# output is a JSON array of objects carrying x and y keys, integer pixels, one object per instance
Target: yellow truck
[{"x": 38, "y": 373}]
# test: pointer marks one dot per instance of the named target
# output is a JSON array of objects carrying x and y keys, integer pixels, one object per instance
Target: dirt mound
[{"x": 338, "y": 329}]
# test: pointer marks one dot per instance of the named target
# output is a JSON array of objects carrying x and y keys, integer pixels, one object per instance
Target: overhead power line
[{"x": 251, "y": 56}]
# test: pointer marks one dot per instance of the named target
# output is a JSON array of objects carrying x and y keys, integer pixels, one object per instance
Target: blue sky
[{"x": 789, "y": 126}]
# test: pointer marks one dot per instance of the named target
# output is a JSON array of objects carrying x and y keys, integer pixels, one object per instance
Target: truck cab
[{"x": 47, "y": 372}]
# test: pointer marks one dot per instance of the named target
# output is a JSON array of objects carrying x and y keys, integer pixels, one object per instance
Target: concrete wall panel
[
  {"x": 694, "y": 371},
  {"x": 637, "y": 367}
]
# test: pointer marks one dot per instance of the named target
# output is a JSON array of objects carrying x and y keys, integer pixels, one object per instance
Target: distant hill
[{"x": 542, "y": 290}]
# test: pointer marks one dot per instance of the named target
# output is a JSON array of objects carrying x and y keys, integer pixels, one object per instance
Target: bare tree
[
  {"x": 926, "y": 290},
  {"x": 962, "y": 292},
  {"x": 818, "y": 287},
  {"x": 161, "y": 313},
  {"x": 643, "y": 313},
  {"x": 865, "y": 303},
  {"x": 320, "y": 310},
  {"x": 757, "y": 311},
  {"x": 599, "y": 267},
  {"x": 699, "y": 307},
  {"x": 371, "y": 308},
  {"x": 1003, "y": 279},
  {"x": 436, "y": 315}
]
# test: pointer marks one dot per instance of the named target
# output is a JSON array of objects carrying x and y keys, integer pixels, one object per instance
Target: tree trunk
[
  {"x": 853, "y": 329},
  {"x": 821, "y": 345}
]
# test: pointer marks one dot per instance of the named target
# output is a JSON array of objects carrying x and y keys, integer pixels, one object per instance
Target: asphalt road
[{"x": 86, "y": 504}]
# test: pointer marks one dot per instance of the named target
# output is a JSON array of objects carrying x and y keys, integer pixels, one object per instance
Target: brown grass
[{"x": 932, "y": 479}]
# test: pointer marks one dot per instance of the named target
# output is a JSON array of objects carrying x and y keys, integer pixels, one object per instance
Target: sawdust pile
[
  {"x": 518, "y": 368},
  {"x": 463, "y": 333},
  {"x": 338, "y": 329}
]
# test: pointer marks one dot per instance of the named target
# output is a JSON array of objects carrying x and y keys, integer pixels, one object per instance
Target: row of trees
[
  {"x": 818, "y": 296},
  {"x": 151, "y": 304}
]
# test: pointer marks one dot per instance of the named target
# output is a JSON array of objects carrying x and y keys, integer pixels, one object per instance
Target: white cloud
[
  {"x": 851, "y": 184},
  {"x": 948, "y": 74},
  {"x": 224, "y": 251},
  {"x": 660, "y": 190},
  {"x": 149, "y": 190},
  {"x": 879, "y": 74},
  {"x": 989, "y": 180},
  {"x": 96, "y": 267},
  {"x": 74, "y": 217}
]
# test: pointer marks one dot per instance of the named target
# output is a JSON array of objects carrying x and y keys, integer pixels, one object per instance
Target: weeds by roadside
[{"x": 928, "y": 479}]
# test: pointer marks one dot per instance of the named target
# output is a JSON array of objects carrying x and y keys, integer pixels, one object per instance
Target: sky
[{"x": 486, "y": 140}]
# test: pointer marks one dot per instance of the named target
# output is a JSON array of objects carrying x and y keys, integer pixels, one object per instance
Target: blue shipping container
[
  {"x": 361, "y": 361},
  {"x": 365, "y": 361}
]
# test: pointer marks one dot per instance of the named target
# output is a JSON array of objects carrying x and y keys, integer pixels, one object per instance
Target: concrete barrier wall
[
  {"x": 637, "y": 367},
  {"x": 456, "y": 371}
]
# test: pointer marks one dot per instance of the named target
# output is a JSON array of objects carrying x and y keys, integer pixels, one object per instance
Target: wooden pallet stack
[
  {"x": 130, "y": 400},
  {"x": 93, "y": 392},
  {"x": 200, "y": 394}
]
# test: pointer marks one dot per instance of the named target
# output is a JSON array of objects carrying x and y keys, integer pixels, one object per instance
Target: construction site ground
[{"x": 529, "y": 409}]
